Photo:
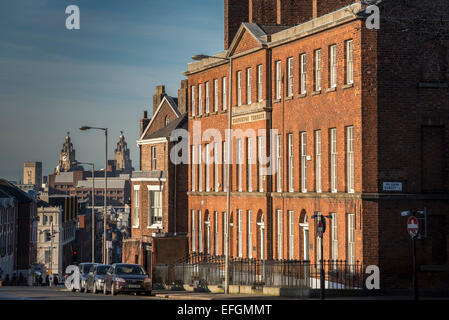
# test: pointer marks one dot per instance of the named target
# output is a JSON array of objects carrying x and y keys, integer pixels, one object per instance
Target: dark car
[
  {"x": 84, "y": 271},
  {"x": 95, "y": 278},
  {"x": 123, "y": 277}
]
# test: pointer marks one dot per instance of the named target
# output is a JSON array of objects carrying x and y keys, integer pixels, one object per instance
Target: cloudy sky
[{"x": 54, "y": 80}]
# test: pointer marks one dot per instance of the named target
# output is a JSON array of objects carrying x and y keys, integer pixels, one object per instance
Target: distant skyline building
[
  {"x": 123, "y": 162},
  {"x": 32, "y": 173},
  {"x": 66, "y": 156}
]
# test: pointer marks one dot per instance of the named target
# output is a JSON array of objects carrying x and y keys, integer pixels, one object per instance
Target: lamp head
[
  {"x": 199, "y": 57},
  {"x": 85, "y": 128}
]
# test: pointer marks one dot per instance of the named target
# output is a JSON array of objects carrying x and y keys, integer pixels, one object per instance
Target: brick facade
[
  {"x": 161, "y": 181},
  {"x": 399, "y": 135}
]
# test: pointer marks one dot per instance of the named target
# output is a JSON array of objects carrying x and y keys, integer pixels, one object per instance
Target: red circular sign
[{"x": 412, "y": 226}]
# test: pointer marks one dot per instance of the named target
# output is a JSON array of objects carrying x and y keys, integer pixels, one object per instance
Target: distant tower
[
  {"x": 121, "y": 156},
  {"x": 66, "y": 156},
  {"x": 32, "y": 173}
]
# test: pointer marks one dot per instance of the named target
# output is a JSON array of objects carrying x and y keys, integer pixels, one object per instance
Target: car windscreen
[
  {"x": 86, "y": 268},
  {"x": 102, "y": 269},
  {"x": 130, "y": 270}
]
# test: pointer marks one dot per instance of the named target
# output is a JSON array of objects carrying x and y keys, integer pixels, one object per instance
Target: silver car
[
  {"x": 95, "y": 278},
  {"x": 84, "y": 271}
]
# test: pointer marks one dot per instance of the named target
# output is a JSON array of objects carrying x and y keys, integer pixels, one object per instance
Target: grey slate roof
[
  {"x": 9, "y": 189},
  {"x": 165, "y": 132}
]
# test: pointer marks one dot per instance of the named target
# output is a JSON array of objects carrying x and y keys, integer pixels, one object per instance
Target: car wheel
[
  {"x": 113, "y": 290},
  {"x": 94, "y": 290}
]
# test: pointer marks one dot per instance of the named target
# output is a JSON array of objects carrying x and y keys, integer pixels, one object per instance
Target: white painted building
[{"x": 53, "y": 236}]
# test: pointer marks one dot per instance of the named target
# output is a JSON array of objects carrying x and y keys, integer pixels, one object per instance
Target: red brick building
[
  {"x": 362, "y": 134},
  {"x": 159, "y": 189},
  {"x": 22, "y": 235}
]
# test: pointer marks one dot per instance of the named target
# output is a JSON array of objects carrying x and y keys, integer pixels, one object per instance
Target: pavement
[{"x": 61, "y": 293}]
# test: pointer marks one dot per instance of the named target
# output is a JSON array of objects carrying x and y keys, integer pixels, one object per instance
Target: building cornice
[
  {"x": 325, "y": 22},
  {"x": 152, "y": 141}
]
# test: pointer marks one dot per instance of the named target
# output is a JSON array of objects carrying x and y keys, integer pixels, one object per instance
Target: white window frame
[
  {"x": 260, "y": 162},
  {"x": 333, "y": 150},
  {"x": 225, "y": 232},
  {"x": 279, "y": 162},
  {"x": 216, "y": 233},
  {"x": 193, "y": 228},
  {"x": 303, "y": 73},
  {"x": 291, "y": 235},
  {"x": 249, "y": 165},
  {"x": 215, "y": 95},
  {"x": 303, "y": 161},
  {"x": 334, "y": 236},
  {"x": 278, "y": 80},
  {"x": 207, "y": 161},
  {"x": 207, "y": 98},
  {"x": 279, "y": 233},
  {"x": 200, "y": 232},
  {"x": 333, "y": 65},
  {"x": 216, "y": 166},
  {"x": 318, "y": 70},
  {"x": 248, "y": 86},
  {"x": 239, "y": 88},
  {"x": 154, "y": 207},
  {"x": 351, "y": 240},
  {"x": 290, "y": 76},
  {"x": 136, "y": 207},
  {"x": 239, "y": 164},
  {"x": 225, "y": 166},
  {"x": 290, "y": 163},
  {"x": 225, "y": 93},
  {"x": 192, "y": 90},
  {"x": 318, "y": 184},
  {"x": 260, "y": 83},
  {"x": 350, "y": 158},
  {"x": 153, "y": 158},
  {"x": 239, "y": 234},
  {"x": 200, "y": 99},
  {"x": 193, "y": 173},
  {"x": 200, "y": 173},
  {"x": 250, "y": 234},
  {"x": 349, "y": 62}
]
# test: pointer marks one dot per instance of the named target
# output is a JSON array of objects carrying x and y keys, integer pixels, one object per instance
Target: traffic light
[{"x": 74, "y": 256}]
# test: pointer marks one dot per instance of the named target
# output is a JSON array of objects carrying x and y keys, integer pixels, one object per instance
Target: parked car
[
  {"x": 95, "y": 278},
  {"x": 123, "y": 277},
  {"x": 84, "y": 271}
]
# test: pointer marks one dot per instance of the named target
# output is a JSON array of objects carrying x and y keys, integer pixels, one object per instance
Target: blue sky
[{"x": 54, "y": 80}]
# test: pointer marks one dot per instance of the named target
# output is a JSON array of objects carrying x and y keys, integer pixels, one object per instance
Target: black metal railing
[{"x": 201, "y": 270}]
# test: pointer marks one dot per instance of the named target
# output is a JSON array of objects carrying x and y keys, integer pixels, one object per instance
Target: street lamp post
[
  {"x": 93, "y": 204},
  {"x": 229, "y": 144},
  {"x": 105, "y": 260}
]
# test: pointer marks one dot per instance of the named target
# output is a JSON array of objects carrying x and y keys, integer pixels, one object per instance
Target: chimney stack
[
  {"x": 144, "y": 122},
  {"x": 235, "y": 13},
  {"x": 182, "y": 97},
  {"x": 322, "y": 7},
  {"x": 157, "y": 97}
]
